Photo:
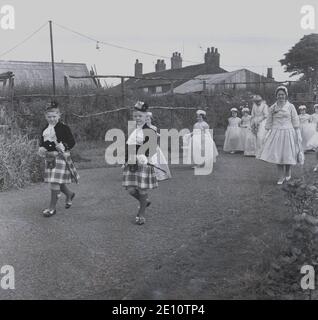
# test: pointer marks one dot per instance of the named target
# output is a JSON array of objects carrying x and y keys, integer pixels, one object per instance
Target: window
[
  {"x": 146, "y": 90},
  {"x": 158, "y": 89}
]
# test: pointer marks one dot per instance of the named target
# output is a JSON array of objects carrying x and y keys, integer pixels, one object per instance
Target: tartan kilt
[
  {"x": 143, "y": 178},
  {"x": 61, "y": 173}
]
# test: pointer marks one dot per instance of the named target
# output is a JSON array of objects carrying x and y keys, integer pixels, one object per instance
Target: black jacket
[
  {"x": 63, "y": 134},
  {"x": 149, "y": 152}
]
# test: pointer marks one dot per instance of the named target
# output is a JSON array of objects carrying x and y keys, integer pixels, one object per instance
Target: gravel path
[{"x": 203, "y": 236}]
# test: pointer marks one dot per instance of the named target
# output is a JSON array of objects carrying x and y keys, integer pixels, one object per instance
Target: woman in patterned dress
[
  {"x": 139, "y": 175},
  {"x": 55, "y": 145},
  {"x": 283, "y": 139}
]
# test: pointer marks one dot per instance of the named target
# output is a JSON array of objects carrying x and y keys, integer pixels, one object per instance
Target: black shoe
[
  {"x": 69, "y": 203},
  {"x": 49, "y": 213}
]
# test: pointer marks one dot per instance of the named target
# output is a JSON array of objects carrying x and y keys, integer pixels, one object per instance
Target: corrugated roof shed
[
  {"x": 31, "y": 73},
  {"x": 181, "y": 73},
  {"x": 197, "y": 84}
]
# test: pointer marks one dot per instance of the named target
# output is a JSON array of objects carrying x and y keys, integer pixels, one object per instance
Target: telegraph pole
[{"x": 52, "y": 57}]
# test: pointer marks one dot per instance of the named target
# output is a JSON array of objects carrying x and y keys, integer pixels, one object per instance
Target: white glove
[
  {"x": 60, "y": 147},
  {"x": 41, "y": 152}
]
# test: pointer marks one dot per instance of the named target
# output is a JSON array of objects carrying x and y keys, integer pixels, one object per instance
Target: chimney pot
[
  {"x": 138, "y": 69},
  {"x": 176, "y": 60},
  {"x": 212, "y": 59}
]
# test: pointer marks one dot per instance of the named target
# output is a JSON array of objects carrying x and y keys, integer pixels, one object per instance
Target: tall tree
[{"x": 302, "y": 58}]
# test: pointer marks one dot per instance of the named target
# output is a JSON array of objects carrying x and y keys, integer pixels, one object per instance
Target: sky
[{"x": 248, "y": 34}]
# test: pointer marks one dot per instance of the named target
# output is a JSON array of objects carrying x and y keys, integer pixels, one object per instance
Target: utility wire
[
  {"x": 140, "y": 51},
  {"x": 115, "y": 45},
  {"x": 23, "y": 41}
]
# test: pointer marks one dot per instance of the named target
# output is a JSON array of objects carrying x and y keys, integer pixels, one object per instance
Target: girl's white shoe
[
  {"x": 288, "y": 178},
  {"x": 281, "y": 181}
]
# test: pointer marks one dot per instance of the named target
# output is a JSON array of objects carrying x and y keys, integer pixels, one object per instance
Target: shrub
[
  {"x": 300, "y": 244},
  {"x": 19, "y": 163}
]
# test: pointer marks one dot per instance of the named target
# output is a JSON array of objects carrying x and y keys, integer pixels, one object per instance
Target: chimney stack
[
  {"x": 138, "y": 69},
  {"x": 176, "y": 60},
  {"x": 270, "y": 73},
  {"x": 160, "y": 65},
  {"x": 212, "y": 59}
]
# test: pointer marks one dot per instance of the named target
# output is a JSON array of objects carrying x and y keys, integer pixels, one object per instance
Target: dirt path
[{"x": 203, "y": 236}]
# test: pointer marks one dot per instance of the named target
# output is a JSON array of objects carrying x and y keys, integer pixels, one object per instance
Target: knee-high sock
[
  {"x": 66, "y": 191},
  {"x": 143, "y": 204},
  {"x": 54, "y": 199}
]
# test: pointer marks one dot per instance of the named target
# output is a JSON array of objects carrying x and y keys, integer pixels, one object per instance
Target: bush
[
  {"x": 300, "y": 244},
  {"x": 19, "y": 163}
]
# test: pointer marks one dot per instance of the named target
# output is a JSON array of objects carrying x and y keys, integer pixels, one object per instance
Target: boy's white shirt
[
  {"x": 136, "y": 137},
  {"x": 49, "y": 133}
]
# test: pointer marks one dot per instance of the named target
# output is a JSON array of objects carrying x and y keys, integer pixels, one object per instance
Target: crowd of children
[
  {"x": 242, "y": 133},
  {"x": 276, "y": 135}
]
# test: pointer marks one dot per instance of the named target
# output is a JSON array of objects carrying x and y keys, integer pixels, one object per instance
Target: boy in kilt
[
  {"x": 139, "y": 175},
  {"x": 55, "y": 144}
]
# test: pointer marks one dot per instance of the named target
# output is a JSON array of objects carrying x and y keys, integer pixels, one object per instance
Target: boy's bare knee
[{"x": 54, "y": 186}]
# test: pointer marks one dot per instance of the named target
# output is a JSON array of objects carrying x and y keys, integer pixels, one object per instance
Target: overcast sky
[{"x": 249, "y": 34}]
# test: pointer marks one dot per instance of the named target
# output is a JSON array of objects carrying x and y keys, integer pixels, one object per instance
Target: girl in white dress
[
  {"x": 158, "y": 159},
  {"x": 259, "y": 116},
  {"x": 197, "y": 141},
  {"x": 247, "y": 136},
  {"x": 282, "y": 143},
  {"x": 313, "y": 141},
  {"x": 233, "y": 141},
  {"x": 307, "y": 128}
]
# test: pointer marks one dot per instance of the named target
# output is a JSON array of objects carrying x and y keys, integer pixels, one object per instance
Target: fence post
[{"x": 122, "y": 83}]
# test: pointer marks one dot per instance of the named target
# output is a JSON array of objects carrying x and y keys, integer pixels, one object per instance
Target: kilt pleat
[
  {"x": 143, "y": 178},
  {"x": 62, "y": 172}
]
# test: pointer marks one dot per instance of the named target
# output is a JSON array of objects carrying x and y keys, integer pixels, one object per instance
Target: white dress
[
  {"x": 248, "y": 137},
  {"x": 259, "y": 116},
  {"x": 159, "y": 160},
  {"x": 313, "y": 141},
  {"x": 233, "y": 140},
  {"x": 281, "y": 144},
  {"x": 307, "y": 129},
  {"x": 200, "y": 142}
]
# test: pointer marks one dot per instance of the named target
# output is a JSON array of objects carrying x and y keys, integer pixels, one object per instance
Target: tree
[{"x": 302, "y": 58}]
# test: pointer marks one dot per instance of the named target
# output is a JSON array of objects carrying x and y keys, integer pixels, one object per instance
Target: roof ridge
[{"x": 44, "y": 62}]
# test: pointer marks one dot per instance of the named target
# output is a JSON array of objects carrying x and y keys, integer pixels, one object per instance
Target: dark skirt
[{"x": 143, "y": 177}]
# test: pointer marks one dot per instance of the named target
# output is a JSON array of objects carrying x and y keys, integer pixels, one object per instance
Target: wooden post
[
  {"x": 204, "y": 86},
  {"x": 122, "y": 81},
  {"x": 52, "y": 57}
]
